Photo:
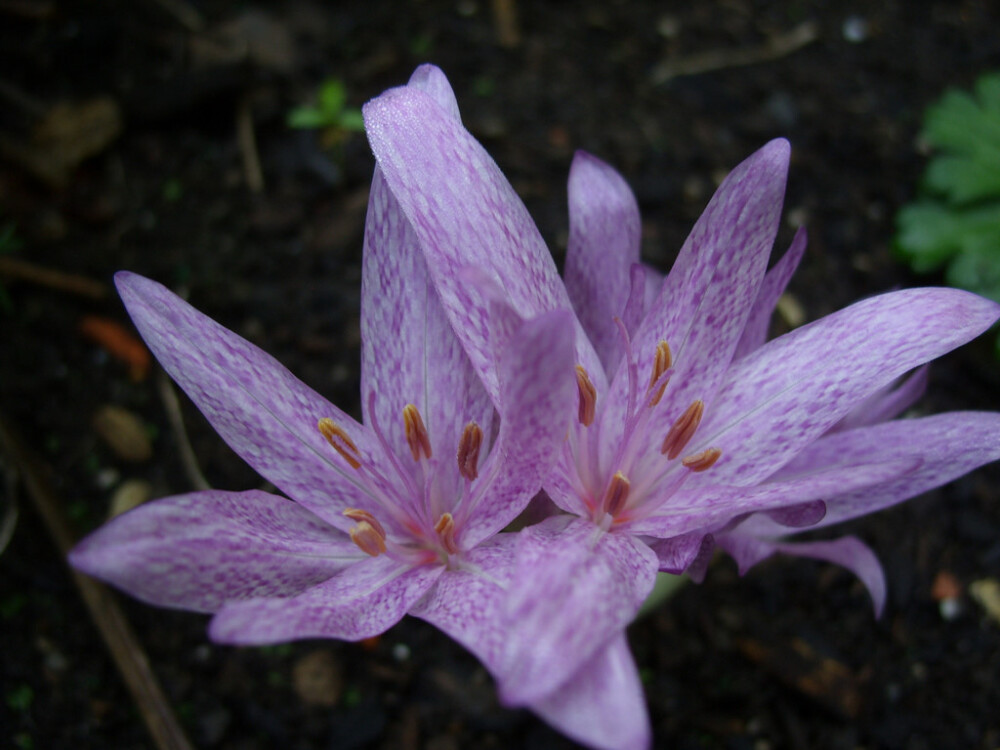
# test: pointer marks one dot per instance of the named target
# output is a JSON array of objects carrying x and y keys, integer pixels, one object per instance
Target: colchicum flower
[
  {"x": 399, "y": 514},
  {"x": 689, "y": 428}
]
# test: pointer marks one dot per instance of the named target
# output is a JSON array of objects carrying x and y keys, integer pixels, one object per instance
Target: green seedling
[
  {"x": 330, "y": 113},
  {"x": 955, "y": 223}
]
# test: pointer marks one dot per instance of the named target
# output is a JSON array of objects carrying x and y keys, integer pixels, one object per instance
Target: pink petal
[
  {"x": 785, "y": 394},
  {"x": 259, "y": 408},
  {"x": 201, "y": 550},
  {"x": 464, "y": 213},
  {"x": 771, "y": 289},
  {"x": 604, "y": 229},
  {"x": 364, "y": 600},
  {"x": 602, "y": 705},
  {"x": 573, "y": 590}
]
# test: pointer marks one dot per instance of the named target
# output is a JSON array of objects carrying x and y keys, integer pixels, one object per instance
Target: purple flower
[
  {"x": 398, "y": 514},
  {"x": 685, "y": 424}
]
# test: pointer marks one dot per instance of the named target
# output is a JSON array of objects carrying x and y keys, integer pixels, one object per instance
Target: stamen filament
[
  {"x": 416, "y": 434},
  {"x": 588, "y": 397},
  {"x": 468, "y": 451},
  {"x": 341, "y": 441},
  {"x": 701, "y": 461},
  {"x": 683, "y": 430}
]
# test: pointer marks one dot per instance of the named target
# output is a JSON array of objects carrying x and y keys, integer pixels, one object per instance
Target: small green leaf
[
  {"x": 306, "y": 118},
  {"x": 351, "y": 119},
  {"x": 332, "y": 98}
]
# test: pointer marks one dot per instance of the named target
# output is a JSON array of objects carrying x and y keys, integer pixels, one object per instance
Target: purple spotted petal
[
  {"x": 704, "y": 508},
  {"x": 785, "y": 394},
  {"x": 771, "y": 289},
  {"x": 603, "y": 705},
  {"x": 259, "y": 408},
  {"x": 945, "y": 445},
  {"x": 848, "y": 552},
  {"x": 573, "y": 590},
  {"x": 464, "y": 212},
  {"x": 364, "y": 600},
  {"x": 201, "y": 550},
  {"x": 604, "y": 229},
  {"x": 537, "y": 400},
  {"x": 703, "y": 306},
  {"x": 887, "y": 403},
  {"x": 677, "y": 554},
  {"x": 466, "y": 602},
  {"x": 409, "y": 353}
]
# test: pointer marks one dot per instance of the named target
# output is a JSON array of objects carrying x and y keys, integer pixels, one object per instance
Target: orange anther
[
  {"x": 356, "y": 514},
  {"x": 683, "y": 430},
  {"x": 702, "y": 461},
  {"x": 340, "y": 441},
  {"x": 368, "y": 539},
  {"x": 661, "y": 363},
  {"x": 468, "y": 451},
  {"x": 588, "y": 397},
  {"x": 416, "y": 434},
  {"x": 617, "y": 494},
  {"x": 445, "y": 528}
]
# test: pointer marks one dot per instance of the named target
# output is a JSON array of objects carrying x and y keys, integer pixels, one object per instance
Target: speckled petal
[
  {"x": 887, "y": 403},
  {"x": 848, "y": 552},
  {"x": 409, "y": 353},
  {"x": 259, "y": 408},
  {"x": 706, "y": 508},
  {"x": 706, "y": 298},
  {"x": 771, "y": 289},
  {"x": 785, "y": 394},
  {"x": 604, "y": 235},
  {"x": 945, "y": 446},
  {"x": 364, "y": 600},
  {"x": 464, "y": 212},
  {"x": 467, "y": 599},
  {"x": 538, "y": 398},
  {"x": 201, "y": 550},
  {"x": 573, "y": 590},
  {"x": 602, "y": 705}
]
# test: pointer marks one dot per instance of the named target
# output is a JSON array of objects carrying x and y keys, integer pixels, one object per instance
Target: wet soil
[{"x": 787, "y": 657}]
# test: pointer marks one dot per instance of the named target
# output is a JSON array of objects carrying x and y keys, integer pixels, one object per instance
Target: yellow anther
[
  {"x": 588, "y": 397},
  {"x": 358, "y": 515},
  {"x": 368, "y": 539},
  {"x": 468, "y": 451},
  {"x": 445, "y": 528},
  {"x": 683, "y": 430},
  {"x": 340, "y": 441},
  {"x": 617, "y": 494},
  {"x": 702, "y": 461},
  {"x": 661, "y": 363},
  {"x": 416, "y": 434}
]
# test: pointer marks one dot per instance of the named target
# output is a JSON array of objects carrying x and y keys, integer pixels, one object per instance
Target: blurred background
[{"x": 214, "y": 146}]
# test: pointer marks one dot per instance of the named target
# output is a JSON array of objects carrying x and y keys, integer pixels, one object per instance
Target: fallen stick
[
  {"x": 706, "y": 62},
  {"x": 15, "y": 268},
  {"x": 104, "y": 610}
]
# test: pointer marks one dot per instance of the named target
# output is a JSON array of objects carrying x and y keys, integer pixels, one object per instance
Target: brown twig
[
  {"x": 505, "y": 20},
  {"x": 774, "y": 48},
  {"x": 15, "y": 268},
  {"x": 104, "y": 610},
  {"x": 173, "y": 406},
  {"x": 248, "y": 146}
]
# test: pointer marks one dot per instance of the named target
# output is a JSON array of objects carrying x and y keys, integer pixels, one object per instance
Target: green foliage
[
  {"x": 329, "y": 112},
  {"x": 956, "y": 222}
]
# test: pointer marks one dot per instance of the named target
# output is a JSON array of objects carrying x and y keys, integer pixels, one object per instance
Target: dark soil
[{"x": 169, "y": 199}]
